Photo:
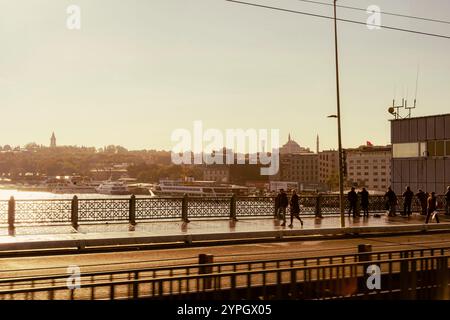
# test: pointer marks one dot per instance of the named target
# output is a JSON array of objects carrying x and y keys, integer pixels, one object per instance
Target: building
[
  {"x": 53, "y": 141},
  {"x": 292, "y": 147},
  {"x": 217, "y": 172},
  {"x": 328, "y": 167},
  {"x": 275, "y": 186},
  {"x": 369, "y": 166},
  {"x": 421, "y": 153},
  {"x": 298, "y": 164}
]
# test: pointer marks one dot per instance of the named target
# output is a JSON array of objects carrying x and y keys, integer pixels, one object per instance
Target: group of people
[
  {"x": 428, "y": 203},
  {"x": 281, "y": 204}
]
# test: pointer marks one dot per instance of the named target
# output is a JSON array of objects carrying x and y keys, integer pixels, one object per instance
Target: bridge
[{"x": 421, "y": 273}]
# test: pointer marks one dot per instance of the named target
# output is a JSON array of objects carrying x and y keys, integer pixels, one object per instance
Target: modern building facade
[
  {"x": 328, "y": 166},
  {"x": 369, "y": 167},
  {"x": 421, "y": 153}
]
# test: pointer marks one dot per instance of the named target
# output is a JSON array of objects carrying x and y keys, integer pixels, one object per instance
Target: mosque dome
[{"x": 292, "y": 147}]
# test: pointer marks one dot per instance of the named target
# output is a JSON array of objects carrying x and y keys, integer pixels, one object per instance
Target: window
[
  {"x": 431, "y": 148},
  {"x": 440, "y": 145},
  {"x": 405, "y": 150}
]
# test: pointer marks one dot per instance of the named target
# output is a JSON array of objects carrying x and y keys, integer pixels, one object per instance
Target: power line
[
  {"x": 340, "y": 19},
  {"x": 382, "y": 12}
]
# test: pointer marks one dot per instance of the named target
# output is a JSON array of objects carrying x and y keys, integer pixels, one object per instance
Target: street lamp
[{"x": 338, "y": 116}]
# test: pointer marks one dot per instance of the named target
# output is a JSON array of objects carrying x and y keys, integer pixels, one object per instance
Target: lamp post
[{"x": 338, "y": 116}]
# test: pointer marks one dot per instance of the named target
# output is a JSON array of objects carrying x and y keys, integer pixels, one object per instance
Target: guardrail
[
  {"x": 408, "y": 274},
  {"x": 21, "y": 282},
  {"x": 75, "y": 211}
]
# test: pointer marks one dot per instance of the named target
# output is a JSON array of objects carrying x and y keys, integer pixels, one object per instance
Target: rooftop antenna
[
  {"x": 415, "y": 96},
  {"x": 395, "y": 109}
]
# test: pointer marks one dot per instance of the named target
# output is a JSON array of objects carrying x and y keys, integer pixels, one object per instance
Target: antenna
[
  {"x": 415, "y": 96},
  {"x": 417, "y": 84},
  {"x": 395, "y": 109}
]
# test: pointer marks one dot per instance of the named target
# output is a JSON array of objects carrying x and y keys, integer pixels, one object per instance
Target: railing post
[
  {"x": 318, "y": 212},
  {"x": 74, "y": 212},
  {"x": 275, "y": 209},
  {"x": 11, "y": 216},
  {"x": 132, "y": 210},
  {"x": 184, "y": 209},
  {"x": 233, "y": 207},
  {"x": 364, "y": 251},
  {"x": 443, "y": 278},
  {"x": 206, "y": 259}
]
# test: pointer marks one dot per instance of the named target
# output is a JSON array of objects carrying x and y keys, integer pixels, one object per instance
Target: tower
[
  {"x": 317, "y": 144},
  {"x": 53, "y": 141}
]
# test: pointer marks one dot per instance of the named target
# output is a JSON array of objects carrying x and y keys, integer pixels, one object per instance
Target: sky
[{"x": 139, "y": 69}]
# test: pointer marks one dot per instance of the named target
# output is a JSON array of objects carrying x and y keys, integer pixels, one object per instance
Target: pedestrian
[
  {"x": 364, "y": 202},
  {"x": 407, "y": 201},
  {"x": 432, "y": 208},
  {"x": 391, "y": 198},
  {"x": 447, "y": 201},
  {"x": 422, "y": 197},
  {"x": 283, "y": 203},
  {"x": 352, "y": 200},
  {"x": 277, "y": 205},
  {"x": 295, "y": 208}
]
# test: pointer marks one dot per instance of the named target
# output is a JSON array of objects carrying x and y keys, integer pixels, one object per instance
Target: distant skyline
[{"x": 137, "y": 70}]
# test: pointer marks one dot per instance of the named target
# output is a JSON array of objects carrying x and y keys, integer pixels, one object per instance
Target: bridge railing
[
  {"x": 75, "y": 211},
  {"x": 406, "y": 277},
  {"x": 86, "y": 277}
]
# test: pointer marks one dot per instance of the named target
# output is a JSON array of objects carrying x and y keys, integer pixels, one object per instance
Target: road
[
  {"x": 45, "y": 265},
  {"x": 114, "y": 261}
]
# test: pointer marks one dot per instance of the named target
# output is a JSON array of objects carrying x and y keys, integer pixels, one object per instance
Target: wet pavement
[{"x": 198, "y": 227}]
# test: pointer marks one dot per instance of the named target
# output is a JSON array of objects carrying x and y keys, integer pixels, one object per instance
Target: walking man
[
  {"x": 407, "y": 201},
  {"x": 353, "y": 200},
  {"x": 283, "y": 203},
  {"x": 365, "y": 202},
  {"x": 447, "y": 201},
  {"x": 392, "y": 201},
  {"x": 422, "y": 196},
  {"x": 432, "y": 208},
  {"x": 295, "y": 208}
]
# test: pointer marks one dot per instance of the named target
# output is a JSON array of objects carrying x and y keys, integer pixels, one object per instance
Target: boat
[
  {"x": 113, "y": 188},
  {"x": 74, "y": 184},
  {"x": 196, "y": 188}
]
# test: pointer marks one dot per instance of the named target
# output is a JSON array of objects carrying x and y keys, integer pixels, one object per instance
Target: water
[{"x": 5, "y": 194}]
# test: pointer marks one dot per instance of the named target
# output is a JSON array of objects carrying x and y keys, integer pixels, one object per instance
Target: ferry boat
[
  {"x": 71, "y": 185},
  {"x": 196, "y": 189},
  {"x": 113, "y": 188}
]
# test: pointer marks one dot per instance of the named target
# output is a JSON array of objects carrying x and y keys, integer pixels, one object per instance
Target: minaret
[
  {"x": 317, "y": 144},
  {"x": 289, "y": 137},
  {"x": 53, "y": 141}
]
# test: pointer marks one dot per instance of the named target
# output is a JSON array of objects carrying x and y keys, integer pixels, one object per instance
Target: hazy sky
[{"x": 138, "y": 69}]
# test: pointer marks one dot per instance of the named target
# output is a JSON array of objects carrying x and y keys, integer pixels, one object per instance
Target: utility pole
[{"x": 341, "y": 162}]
